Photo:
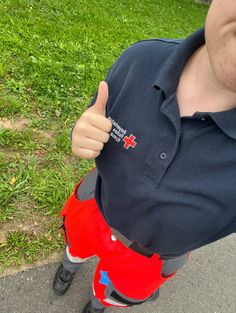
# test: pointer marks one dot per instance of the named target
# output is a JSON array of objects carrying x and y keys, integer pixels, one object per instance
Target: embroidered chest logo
[{"x": 118, "y": 133}]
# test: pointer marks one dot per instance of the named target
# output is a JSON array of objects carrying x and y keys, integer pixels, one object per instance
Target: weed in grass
[
  {"x": 41, "y": 122},
  {"x": 11, "y": 105},
  {"x": 15, "y": 185},
  {"x": 63, "y": 142},
  {"x": 18, "y": 139},
  {"x": 22, "y": 247},
  {"x": 51, "y": 187}
]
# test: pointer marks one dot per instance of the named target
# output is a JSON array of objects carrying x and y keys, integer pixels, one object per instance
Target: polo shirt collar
[
  {"x": 226, "y": 120},
  {"x": 168, "y": 77}
]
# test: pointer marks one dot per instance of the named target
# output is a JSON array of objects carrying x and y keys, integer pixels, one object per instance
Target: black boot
[
  {"x": 62, "y": 280},
  {"x": 89, "y": 309}
]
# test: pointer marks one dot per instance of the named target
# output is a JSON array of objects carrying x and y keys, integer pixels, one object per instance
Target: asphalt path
[{"x": 206, "y": 284}]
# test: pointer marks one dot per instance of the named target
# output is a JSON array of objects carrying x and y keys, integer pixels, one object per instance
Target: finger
[
  {"x": 98, "y": 121},
  {"x": 90, "y": 144},
  {"x": 96, "y": 134},
  {"x": 102, "y": 97},
  {"x": 85, "y": 153}
]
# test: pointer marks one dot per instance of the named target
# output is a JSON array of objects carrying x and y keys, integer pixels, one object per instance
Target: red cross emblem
[{"x": 129, "y": 141}]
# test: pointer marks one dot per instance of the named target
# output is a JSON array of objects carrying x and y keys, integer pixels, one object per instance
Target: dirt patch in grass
[
  {"x": 17, "y": 123},
  {"x": 40, "y": 153},
  {"x": 9, "y": 154},
  {"x": 21, "y": 123},
  {"x": 47, "y": 134},
  {"x": 32, "y": 223}
]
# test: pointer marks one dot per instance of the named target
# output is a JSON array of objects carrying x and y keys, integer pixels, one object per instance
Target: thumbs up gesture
[{"x": 92, "y": 128}]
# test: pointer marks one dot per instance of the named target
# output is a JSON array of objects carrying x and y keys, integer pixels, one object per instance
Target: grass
[{"x": 53, "y": 55}]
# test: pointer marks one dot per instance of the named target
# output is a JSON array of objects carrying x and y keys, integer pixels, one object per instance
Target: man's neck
[{"x": 203, "y": 91}]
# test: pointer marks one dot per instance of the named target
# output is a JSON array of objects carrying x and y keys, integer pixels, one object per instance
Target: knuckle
[
  {"x": 101, "y": 145},
  {"x": 107, "y": 137},
  {"x": 97, "y": 154},
  {"x": 80, "y": 127},
  {"x": 93, "y": 154},
  {"x": 86, "y": 116},
  {"x": 82, "y": 154},
  {"x": 109, "y": 126}
]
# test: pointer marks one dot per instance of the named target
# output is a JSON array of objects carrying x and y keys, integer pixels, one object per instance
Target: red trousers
[{"x": 123, "y": 277}]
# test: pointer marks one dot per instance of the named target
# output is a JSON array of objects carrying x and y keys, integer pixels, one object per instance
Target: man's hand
[{"x": 92, "y": 128}]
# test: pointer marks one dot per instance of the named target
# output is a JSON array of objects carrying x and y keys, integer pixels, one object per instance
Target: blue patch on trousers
[{"x": 104, "y": 278}]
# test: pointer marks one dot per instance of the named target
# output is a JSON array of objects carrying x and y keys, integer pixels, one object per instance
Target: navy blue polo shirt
[{"x": 166, "y": 181}]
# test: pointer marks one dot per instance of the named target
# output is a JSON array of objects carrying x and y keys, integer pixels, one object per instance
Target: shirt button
[
  {"x": 203, "y": 118},
  {"x": 163, "y": 155}
]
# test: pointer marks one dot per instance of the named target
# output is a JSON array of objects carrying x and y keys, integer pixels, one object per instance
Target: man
[{"x": 164, "y": 139}]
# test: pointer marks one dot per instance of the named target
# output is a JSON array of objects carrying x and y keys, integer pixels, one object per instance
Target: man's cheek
[{"x": 231, "y": 49}]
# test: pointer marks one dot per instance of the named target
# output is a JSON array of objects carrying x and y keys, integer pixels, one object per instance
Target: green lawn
[{"x": 53, "y": 55}]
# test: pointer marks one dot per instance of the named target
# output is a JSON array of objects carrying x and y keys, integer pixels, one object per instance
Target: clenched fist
[{"x": 92, "y": 129}]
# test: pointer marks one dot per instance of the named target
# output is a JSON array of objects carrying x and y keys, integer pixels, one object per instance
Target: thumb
[{"x": 102, "y": 97}]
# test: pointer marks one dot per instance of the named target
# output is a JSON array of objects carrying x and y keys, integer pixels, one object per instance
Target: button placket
[
  {"x": 159, "y": 159},
  {"x": 167, "y": 143}
]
